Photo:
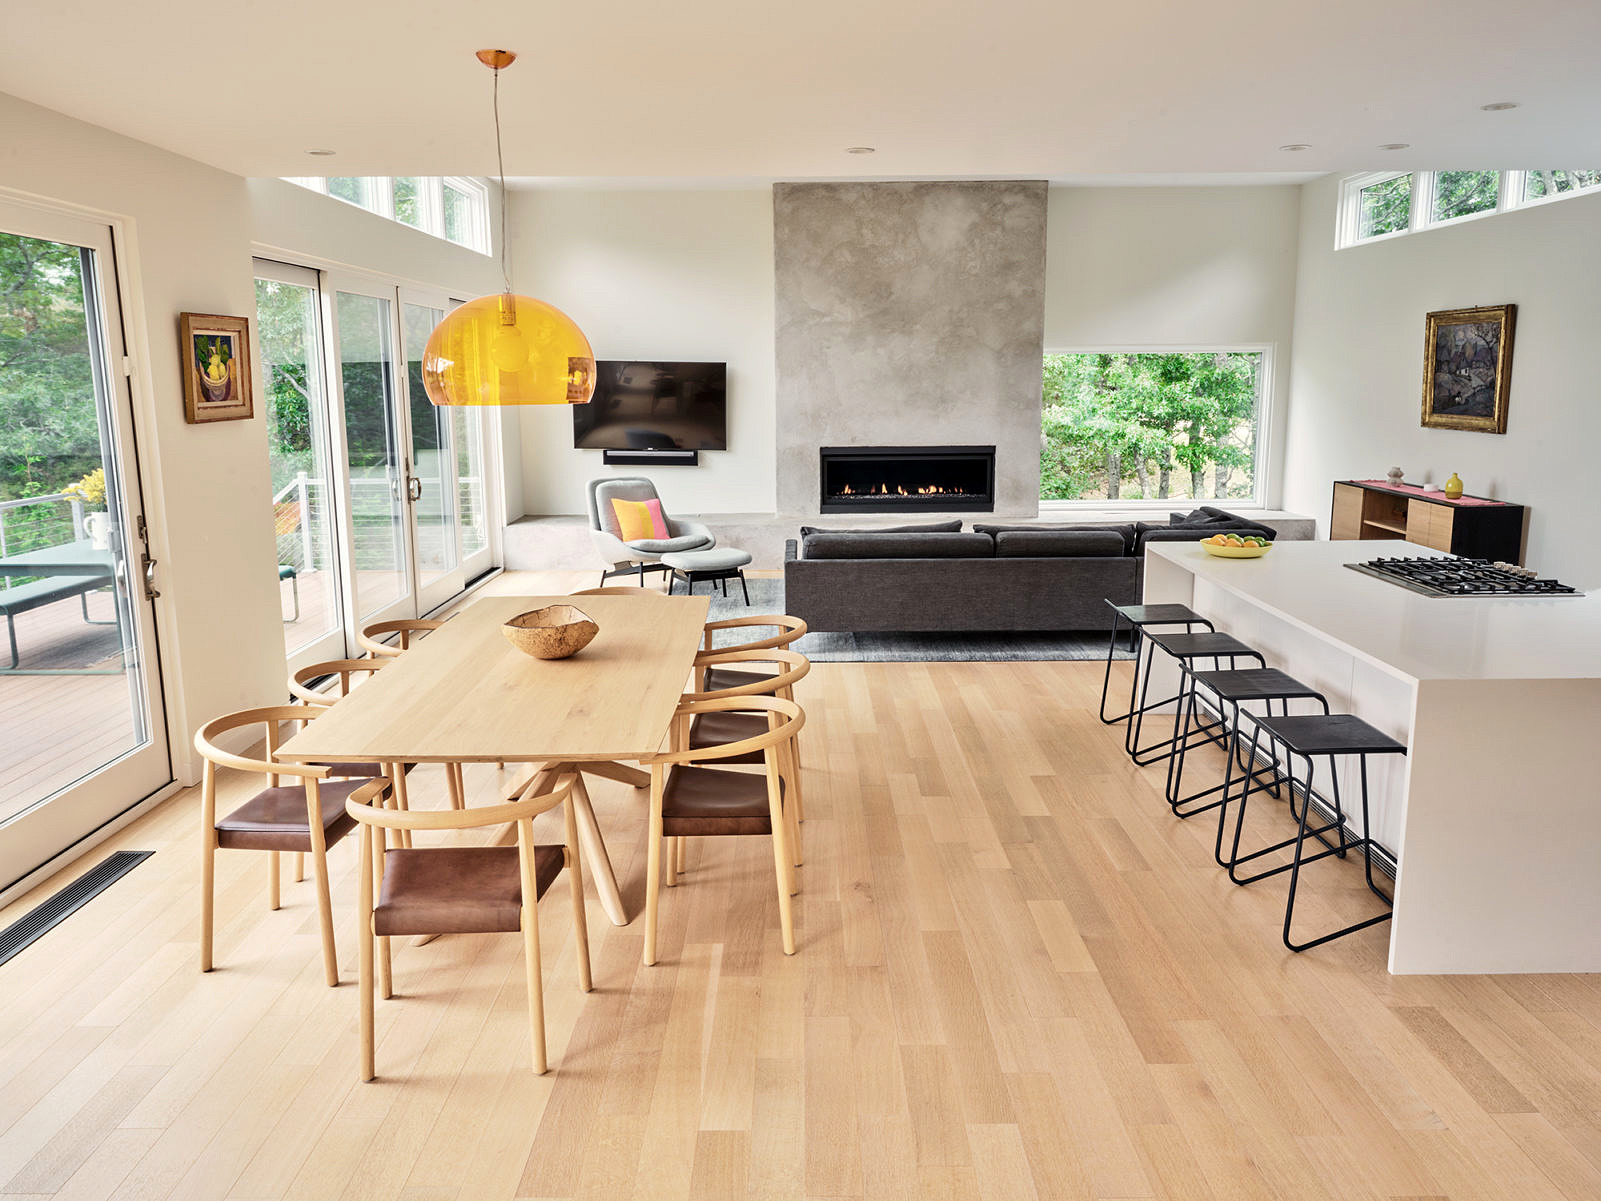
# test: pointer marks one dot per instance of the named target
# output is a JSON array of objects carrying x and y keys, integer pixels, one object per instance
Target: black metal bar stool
[
  {"x": 1231, "y": 690},
  {"x": 1185, "y": 649},
  {"x": 1311, "y": 737},
  {"x": 1138, "y": 617}
]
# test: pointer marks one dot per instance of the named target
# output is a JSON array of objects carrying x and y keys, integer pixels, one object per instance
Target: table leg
[{"x": 594, "y": 847}]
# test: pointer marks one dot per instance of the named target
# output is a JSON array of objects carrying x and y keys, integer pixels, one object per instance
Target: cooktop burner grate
[{"x": 1455, "y": 576}]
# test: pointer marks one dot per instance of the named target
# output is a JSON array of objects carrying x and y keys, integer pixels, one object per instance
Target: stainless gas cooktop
[{"x": 1456, "y": 576}]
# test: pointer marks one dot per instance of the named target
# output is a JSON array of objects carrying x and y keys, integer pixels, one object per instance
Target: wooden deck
[
  {"x": 1018, "y": 978},
  {"x": 57, "y": 728}
]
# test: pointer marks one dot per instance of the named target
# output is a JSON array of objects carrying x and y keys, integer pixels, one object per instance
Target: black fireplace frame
[{"x": 903, "y": 504}]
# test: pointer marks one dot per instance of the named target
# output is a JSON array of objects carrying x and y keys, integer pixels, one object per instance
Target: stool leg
[
  {"x": 1300, "y": 838},
  {"x": 744, "y": 589},
  {"x": 1106, "y": 678},
  {"x": 1366, "y": 844}
]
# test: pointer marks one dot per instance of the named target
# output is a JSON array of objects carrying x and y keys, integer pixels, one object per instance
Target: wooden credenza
[{"x": 1365, "y": 510}]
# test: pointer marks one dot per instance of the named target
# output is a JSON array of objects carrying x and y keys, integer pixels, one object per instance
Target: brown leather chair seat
[
  {"x": 275, "y": 818},
  {"x": 701, "y": 801},
  {"x": 719, "y": 729},
  {"x": 719, "y": 678},
  {"x": 458, "y": 890}
]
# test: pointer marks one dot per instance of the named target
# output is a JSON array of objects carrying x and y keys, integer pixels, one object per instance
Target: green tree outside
[{"x": 1149, "y": 426}]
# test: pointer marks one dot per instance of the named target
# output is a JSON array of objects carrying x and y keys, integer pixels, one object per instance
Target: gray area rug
[{"x": 767, "y": 596}]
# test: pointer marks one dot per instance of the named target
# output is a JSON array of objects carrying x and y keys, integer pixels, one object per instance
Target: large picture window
[{"x": 1153, "y": 426}]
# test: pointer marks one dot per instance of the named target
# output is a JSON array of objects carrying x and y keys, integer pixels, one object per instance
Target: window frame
[
  {"x": 1261, "y": 469},
  {"x": 1511, "y": 195}
]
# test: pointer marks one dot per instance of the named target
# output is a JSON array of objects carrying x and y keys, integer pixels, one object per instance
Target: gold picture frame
[
  {"x": 1467, "y": 368},
  {"x": 215, "y": 355}
]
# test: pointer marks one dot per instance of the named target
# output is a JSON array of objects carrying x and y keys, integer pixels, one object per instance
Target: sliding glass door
[
  {"x": 433, "y": 509},
  {"x": 376, "y": 458},
  {"x": 381, "y": 500},
  {"x": 305, "y": 485},
  {"x": 82, "y": 727}
]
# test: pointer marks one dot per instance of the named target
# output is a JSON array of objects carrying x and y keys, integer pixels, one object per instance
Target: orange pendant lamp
[{"x": 507, "y": 349}]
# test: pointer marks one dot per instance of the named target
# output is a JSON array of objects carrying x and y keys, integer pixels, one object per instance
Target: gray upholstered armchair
[{"x": 641, "y": 555}]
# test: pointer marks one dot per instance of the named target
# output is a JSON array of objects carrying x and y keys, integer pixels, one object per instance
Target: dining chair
[
  {"x": 713, "y": 729},
  {"x": 789, "y": 630},
  {"x": 616, "y": 590},
  {"x": 691, "y": 800},
  {"x": 461, "y": 890},
  {"x": 406, "y": 632},
  {"x": 324, "y": 684},
  {"x": 307, "y": 816}
]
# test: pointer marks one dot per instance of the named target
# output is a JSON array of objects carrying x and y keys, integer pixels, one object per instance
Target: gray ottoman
[{"x": 720, "y": 563}]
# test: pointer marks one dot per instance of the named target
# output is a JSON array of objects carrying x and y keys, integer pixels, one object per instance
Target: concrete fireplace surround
[{"x": 909, "y": 313}]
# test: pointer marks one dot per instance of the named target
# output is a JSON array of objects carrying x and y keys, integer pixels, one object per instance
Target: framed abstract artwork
[
  {"x": 215, "y": 353},
  {"x": 1467, "y": 368}
]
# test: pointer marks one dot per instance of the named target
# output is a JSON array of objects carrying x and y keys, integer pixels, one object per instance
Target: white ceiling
[{"x": 753, "y": 90}]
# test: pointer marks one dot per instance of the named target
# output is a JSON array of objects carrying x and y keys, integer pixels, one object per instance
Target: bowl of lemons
[{"x": 1236, "y": 546}]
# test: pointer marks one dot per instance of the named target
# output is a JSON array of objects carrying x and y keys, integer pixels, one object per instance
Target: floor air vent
[{"x": 44, "y": 917}]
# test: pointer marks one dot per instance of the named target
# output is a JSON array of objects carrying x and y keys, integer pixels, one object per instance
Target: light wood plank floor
[{"x": 1018, "y": 977}]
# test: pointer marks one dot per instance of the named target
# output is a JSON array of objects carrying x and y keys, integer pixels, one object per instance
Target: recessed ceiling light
[
  {"x": 1500, "y": 106},
  {"x": 861, "y": 150},
  {"x": 319, "y": 153},
  {"x": 1396, "y": 146},
  {"x": 1296, "y": 146}
]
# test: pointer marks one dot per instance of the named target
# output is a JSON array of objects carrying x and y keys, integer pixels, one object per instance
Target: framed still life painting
[
  {"x": 215, "y": 352},
  {"x": 1467, "y": 368}
]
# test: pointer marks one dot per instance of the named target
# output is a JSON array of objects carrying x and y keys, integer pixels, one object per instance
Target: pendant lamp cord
[{"x": 500, "y": 166}]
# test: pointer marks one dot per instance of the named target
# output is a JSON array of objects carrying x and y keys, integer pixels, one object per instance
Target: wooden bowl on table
[{"x": 554, "y": 632}]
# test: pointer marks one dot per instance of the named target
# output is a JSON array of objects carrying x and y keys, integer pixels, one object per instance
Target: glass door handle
[
  {"x": 149, "y": 566},
  {"x": 414, "y": 488}
]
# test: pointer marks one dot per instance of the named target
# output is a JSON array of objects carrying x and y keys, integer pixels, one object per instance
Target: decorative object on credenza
[
  {"x": 554, "y": 632},
  {"x": 1453, "y": 487},
  {"x": 215, "y": 355},
  {"x": 507, "y": 349},
  {"x": 1467, "y": 368},
  {"x": 1396, "y": 475}
]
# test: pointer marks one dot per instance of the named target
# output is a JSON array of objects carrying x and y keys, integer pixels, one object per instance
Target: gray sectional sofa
[{"x": 994, "y": 578}]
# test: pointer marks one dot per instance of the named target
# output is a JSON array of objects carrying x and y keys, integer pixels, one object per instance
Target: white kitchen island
[{"x": 1494, "y": 814}]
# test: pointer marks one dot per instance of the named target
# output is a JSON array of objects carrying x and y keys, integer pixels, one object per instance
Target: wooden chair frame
[
  {"x": 363, "y": 805},
  {"x": 781, "y": 684},
  {"x": 215, "y": 757},
  {"x": 406, "y": 629},
  {"x": 785, "y": 719}
]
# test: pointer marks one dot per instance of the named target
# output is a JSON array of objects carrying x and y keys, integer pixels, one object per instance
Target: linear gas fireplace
[{"x": 859, "y": 479}]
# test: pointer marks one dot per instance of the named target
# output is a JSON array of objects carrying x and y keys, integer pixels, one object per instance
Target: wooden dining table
[{"x": 465, "y": 694}]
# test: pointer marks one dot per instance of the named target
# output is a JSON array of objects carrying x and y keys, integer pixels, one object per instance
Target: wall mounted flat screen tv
[{"x": 654, "y": 406}]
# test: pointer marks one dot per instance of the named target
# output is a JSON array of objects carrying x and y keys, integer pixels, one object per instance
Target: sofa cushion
[
  {"x": 1126, "y": 532},
  {"x": 1202, "y": 516},
  {"x": 1028, "y": 544},
  {"x": 834, "y": 545},
  {"x": 932, "y": 527}
]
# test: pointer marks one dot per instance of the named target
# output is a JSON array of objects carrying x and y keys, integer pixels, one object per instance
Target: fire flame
[{"x": 900, "y": 490}]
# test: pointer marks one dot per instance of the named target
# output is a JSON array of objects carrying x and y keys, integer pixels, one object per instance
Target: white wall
[
  {"x": 675, "y": 275},
  {"x": 207, "y": 486},
  {"x": 1176, "y": 267},
  {"x": 1358, "y": 375},
  {"x": 288, "y": 220},
  {"x": 189, "y": 234}
]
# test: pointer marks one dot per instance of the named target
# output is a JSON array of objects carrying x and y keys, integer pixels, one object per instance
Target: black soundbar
[{"x": 660, "y": 458}]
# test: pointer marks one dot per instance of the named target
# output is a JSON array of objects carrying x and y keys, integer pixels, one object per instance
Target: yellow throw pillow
[{"x": 639, "y": 519}]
